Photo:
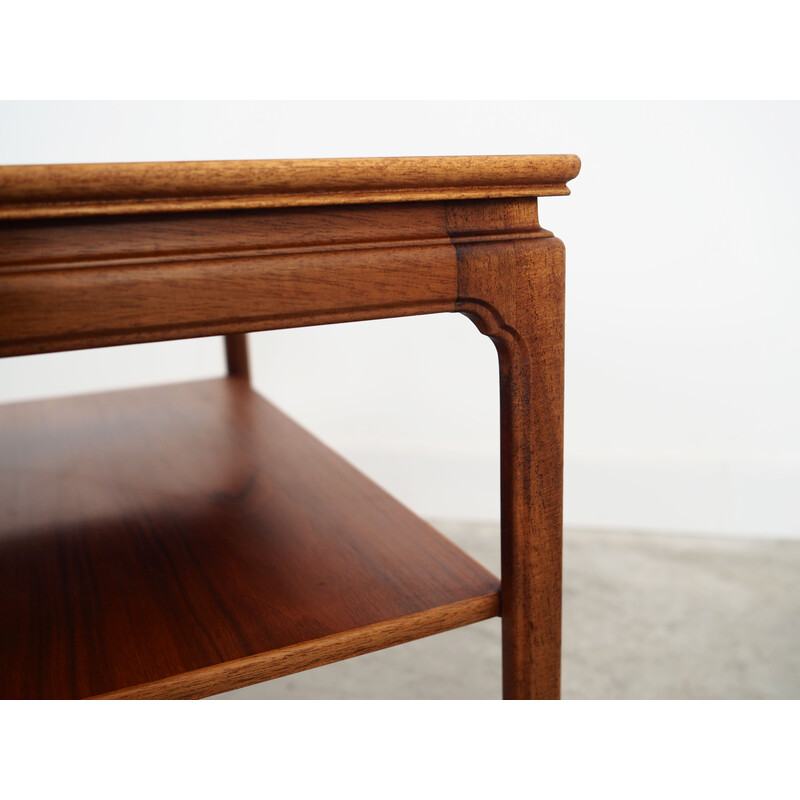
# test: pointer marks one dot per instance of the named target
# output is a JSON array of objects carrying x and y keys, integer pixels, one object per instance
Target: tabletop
[{"x": 59, "y": 190}]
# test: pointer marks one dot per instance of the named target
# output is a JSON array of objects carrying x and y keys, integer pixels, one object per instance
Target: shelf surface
[{"x": 184, "y": 540}]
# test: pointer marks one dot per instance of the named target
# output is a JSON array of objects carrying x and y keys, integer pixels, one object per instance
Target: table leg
[
  {"x": 236, "y": 356},
  {"x": 514, "y": 291}
]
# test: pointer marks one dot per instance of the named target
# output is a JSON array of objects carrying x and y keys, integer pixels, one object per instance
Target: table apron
[{"x": 56, "y": 308}]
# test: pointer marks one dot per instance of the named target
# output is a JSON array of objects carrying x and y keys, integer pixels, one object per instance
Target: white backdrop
[{"x": 683, "y": 376}]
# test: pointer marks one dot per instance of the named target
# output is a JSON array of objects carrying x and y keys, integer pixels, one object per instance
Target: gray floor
[{"x": 645, "y": 617}]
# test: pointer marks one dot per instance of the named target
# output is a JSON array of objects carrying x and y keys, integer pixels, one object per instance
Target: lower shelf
[{"x": 185, "y": 540}]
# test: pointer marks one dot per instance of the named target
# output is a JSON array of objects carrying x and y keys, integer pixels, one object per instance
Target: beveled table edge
[{"x": 67, "y": 190}]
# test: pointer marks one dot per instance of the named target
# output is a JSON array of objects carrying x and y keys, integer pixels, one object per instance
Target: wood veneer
[{"x": 189, "y": 539}]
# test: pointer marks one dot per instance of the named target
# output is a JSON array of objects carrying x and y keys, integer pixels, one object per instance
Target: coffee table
[{"x": 184, "y": 540}]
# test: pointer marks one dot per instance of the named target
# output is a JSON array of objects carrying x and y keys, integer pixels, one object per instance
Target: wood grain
[
  {"x": 38, "y": 191},
  {"x": 95, "y": 255},
  {"x": 326, "y": 650},
  {"x": 514, "y": 292},
  {"x": 185, "y": 540},
  {"x": 67, "y": 284}
]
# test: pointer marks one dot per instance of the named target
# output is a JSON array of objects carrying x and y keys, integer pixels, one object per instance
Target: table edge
[{"x": 68, "y": 190}]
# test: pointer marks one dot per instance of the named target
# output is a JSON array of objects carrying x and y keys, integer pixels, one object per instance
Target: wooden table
[{"x": 180, "y": 541}]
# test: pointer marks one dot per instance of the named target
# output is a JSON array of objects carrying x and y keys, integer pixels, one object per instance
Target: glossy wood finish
[
  {"x": 185, "y": 540},
  {"x": 99, "y": 255},
  {"x": 85, "y": 189}
]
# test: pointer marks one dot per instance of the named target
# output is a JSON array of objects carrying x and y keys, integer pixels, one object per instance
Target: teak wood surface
[
  {"x": 197, "y": 532},
  {"x": 97, "y": 255}
]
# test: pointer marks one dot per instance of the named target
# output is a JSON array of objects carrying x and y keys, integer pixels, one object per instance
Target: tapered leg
[
  {"x": 515, "y": 293},
  {"x": 236, "y": 356}
]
